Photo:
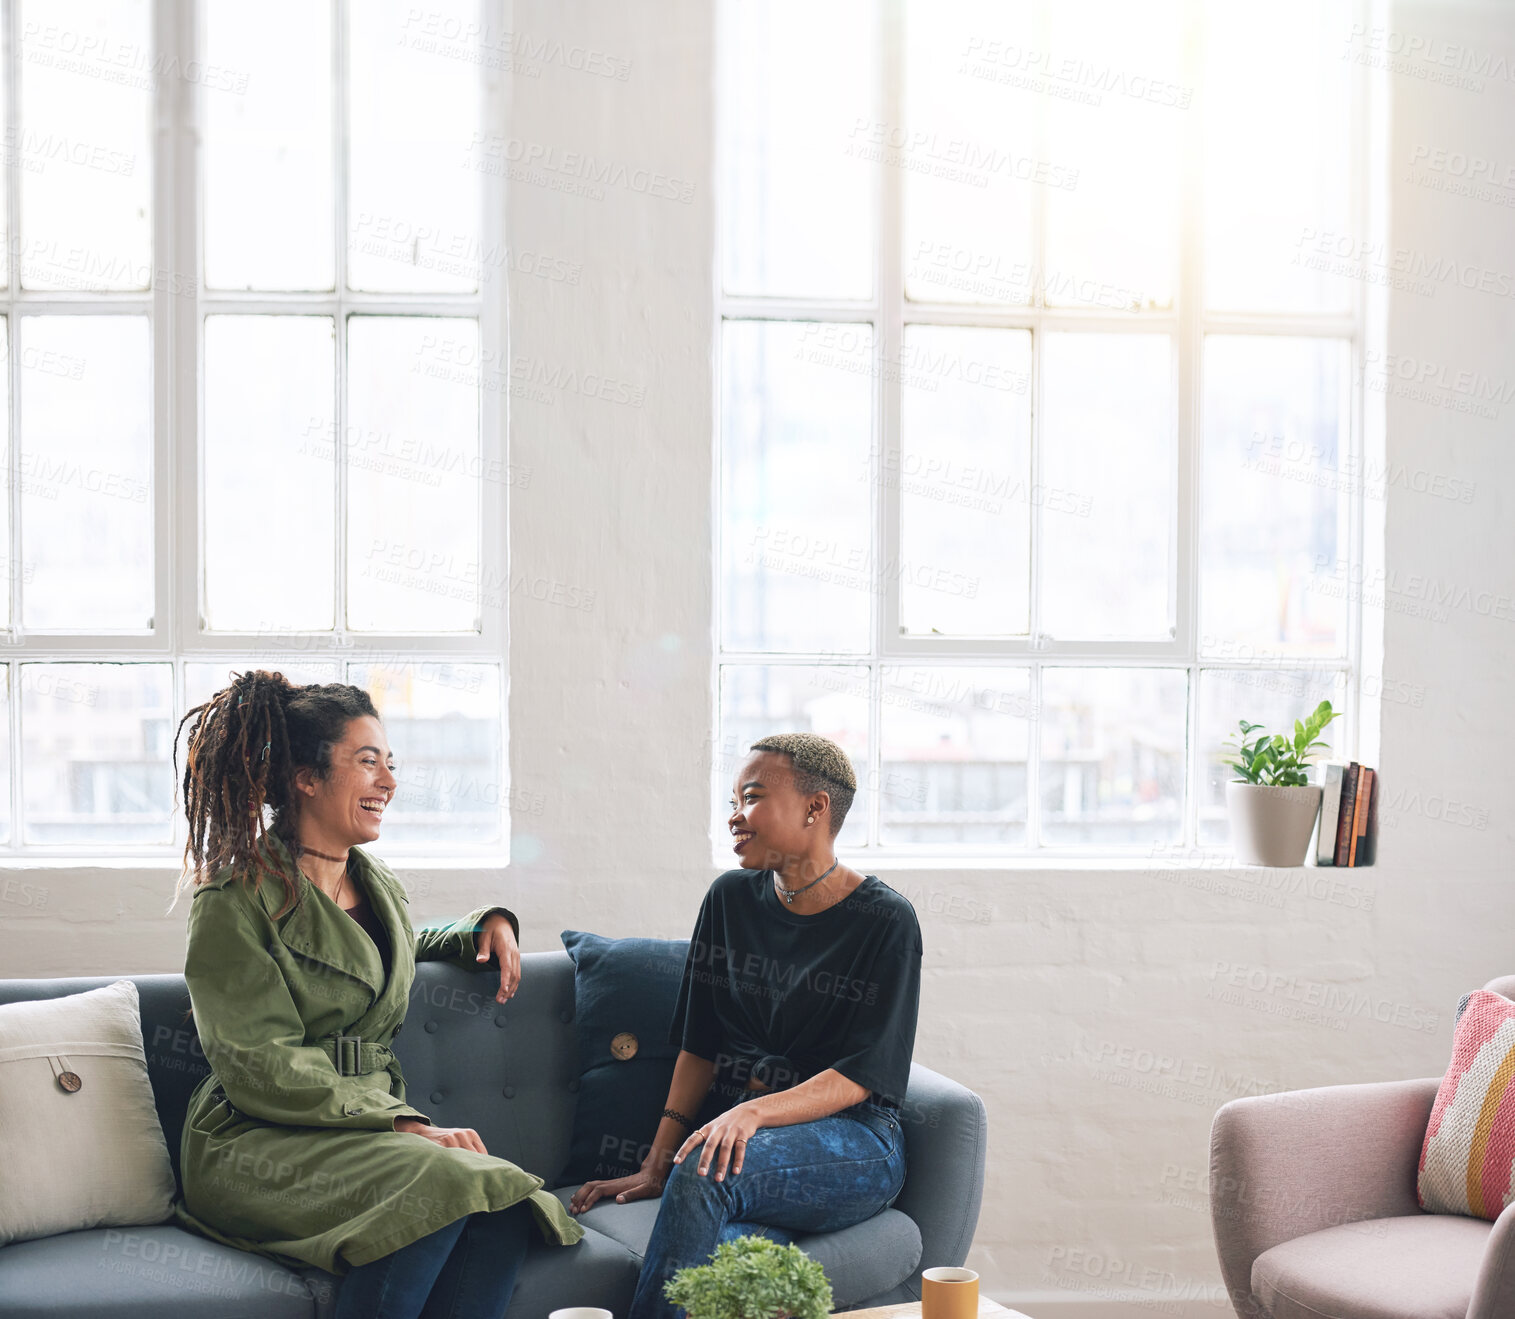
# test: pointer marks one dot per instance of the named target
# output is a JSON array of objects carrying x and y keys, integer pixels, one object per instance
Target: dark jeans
[
  {"x": 811, "y": 1177},
  {"x": 465, "y": 1270}
]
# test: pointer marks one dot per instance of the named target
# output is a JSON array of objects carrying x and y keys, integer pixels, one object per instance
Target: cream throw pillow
[{"x": 80, "y": 1141}]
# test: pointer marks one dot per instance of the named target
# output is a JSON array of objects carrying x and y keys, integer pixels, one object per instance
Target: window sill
[{"x": 883, "y": 864}]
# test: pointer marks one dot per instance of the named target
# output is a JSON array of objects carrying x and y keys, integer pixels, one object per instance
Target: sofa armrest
[
  {"x": 946, "y": 1142},
  {"x": 1285, "y": 1165},
  {"x": 1494, "y": 1293}
]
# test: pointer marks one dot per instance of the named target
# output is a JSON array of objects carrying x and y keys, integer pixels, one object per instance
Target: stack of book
[{"x": 1348, "y": 816}]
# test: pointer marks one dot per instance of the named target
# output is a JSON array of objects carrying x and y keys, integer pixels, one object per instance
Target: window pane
[
  {"x": 964, "y": 469},
  {"x": 1274, "y": 504},
  {"x": 86, "y": 472},
  {"x": 758, "y": 699},
  {"x": 413, "y": 471},
  {"x": 968, "y": 152},
  {"x": 5, "y": 754},
  {"x": 95, "y": 741},
  {"x": 443, "y": 724},
  {"x": 798, "y": 562},
  {"x": 5, "y": 209},
  {"x": 270, "y": 501},
  {"x": 1273, "y": 697},
  {"x": 86, "y": 104},
  {"x": 953, "y": 747},
  {"x": 1277, "y": 124},
  {"x": 1112, "y": 746},
  {"x": 14, "y": 572},
  {"x": 414, "y": 217},
  {"x": 267, "y": 146},
  {"x": 1108, "y": 487},
  {"x": 1115, "y": 114},
  {"x": 798, "y": 147}
]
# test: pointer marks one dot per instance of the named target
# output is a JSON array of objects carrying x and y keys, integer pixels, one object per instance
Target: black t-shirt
[{"x": 770, "y": 993}]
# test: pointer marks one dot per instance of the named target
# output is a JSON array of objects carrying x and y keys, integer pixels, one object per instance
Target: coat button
[
  {"x": 353, "y": 1111},
  {"x": 70, "y": 1081},
  {"x": 431, "y": 1028},
  {"x": 509, "y": 1092},
  {"x": 436, "y": 1096}
]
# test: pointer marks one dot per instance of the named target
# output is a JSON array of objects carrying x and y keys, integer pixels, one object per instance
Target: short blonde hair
[{"x": 819, "y": 765}]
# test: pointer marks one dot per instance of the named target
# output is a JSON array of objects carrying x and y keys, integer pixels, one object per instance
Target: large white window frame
[
  {"x": 177, "y": 306},
  {"x": 888, "y": 312}
]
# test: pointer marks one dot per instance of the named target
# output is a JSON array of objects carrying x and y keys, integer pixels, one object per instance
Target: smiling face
[
  {"x": 769, "y": 813},
  {"x": 347, "y": 806}
]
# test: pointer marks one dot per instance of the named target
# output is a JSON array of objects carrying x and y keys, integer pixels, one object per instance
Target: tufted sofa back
[{"x": 509, "y": 1072}]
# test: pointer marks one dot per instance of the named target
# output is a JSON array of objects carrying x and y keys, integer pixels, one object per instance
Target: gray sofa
[{"x": 511, "y": 1074}]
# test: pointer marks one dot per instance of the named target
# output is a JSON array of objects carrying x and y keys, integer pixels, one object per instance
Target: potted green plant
[
  {"x": 1272, "y": 804},
  {"x": 753, "y": 1277}
]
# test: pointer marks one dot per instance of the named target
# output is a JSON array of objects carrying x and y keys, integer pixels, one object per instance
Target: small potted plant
[
  {"x": 753, "y": 1277},
  {"x": 1272, "y": 804}
]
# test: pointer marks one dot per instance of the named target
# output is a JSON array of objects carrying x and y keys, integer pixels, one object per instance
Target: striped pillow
[{"x": 1469, "y": 1148}]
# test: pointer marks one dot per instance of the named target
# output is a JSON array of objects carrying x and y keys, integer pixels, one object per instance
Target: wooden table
[{"x": 912, "y": 1310}]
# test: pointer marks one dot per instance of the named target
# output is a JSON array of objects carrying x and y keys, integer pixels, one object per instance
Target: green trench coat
[{"x": 284, "y": 1155}]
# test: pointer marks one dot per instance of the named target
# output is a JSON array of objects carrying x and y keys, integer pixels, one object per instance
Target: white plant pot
[{"x": 1271, "y": 826}]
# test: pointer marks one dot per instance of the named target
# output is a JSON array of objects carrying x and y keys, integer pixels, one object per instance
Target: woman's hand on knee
[
  {"x": 453, "y": 1138},
  {"x": 642, "y": 1185},
  {"x": 722, "y": 1142}
]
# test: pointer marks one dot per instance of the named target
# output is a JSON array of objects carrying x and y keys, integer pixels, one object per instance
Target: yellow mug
[{"x": 949, "y": 1294}]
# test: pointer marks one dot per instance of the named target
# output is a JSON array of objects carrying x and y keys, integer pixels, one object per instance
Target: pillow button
[
  {"x": 509, "y": 1092},
  {"x": 431, "y": 1028},
  {"x": 565, "y": 1017},
  {"x": 499, "y": 1021},
  {"x": 573, "y": 1087},
  {"x": 436, "y": 1096}
]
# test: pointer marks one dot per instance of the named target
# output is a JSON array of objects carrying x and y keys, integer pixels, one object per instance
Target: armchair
[{"x": 1312, "y": 1200}]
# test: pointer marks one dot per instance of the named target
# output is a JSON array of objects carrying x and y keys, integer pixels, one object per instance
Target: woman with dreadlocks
[{"x": 300, "y": 1144}]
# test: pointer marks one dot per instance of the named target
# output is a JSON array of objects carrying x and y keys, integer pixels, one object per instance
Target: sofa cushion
[
  {"x": 80, "y": 1145},
  {"x": 597, "y": 1272},
  {"x": 861, "y": 1262},
  {"x": 144, "y": 1273},
  {"x": 1420, "y": 1267},
  {"x": 1469, "y": 1144},
  {"x": 624, "y": 994}
]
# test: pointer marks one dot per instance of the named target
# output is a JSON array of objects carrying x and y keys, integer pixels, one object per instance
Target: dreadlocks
[{"x": 244, "y": 747}]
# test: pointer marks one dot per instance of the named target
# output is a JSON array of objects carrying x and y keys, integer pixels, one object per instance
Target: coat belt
[{"x": 352, "y": 1055}]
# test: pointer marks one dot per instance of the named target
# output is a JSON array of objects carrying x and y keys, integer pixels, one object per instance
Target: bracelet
[{"x": 679, "y": 1118}]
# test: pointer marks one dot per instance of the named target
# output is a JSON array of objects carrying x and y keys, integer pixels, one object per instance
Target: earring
[{"x": 810, "y": 819}]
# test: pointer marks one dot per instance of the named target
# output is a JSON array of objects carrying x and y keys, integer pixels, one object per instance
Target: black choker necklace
[
  {"x": 323, "y": 855},
  {"x": 790, "y": 894}
]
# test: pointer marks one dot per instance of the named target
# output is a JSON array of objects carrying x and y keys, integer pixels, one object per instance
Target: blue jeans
[
  {"x": 811, "y": 1177},
  {"x": 466, "y": 1270}
]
